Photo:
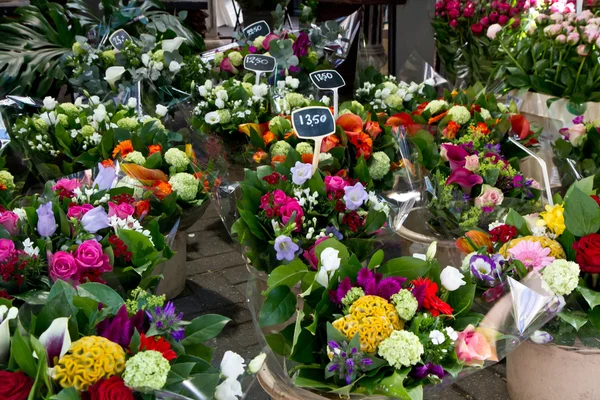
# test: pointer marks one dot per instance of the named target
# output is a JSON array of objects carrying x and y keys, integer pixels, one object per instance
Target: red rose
[
  {"x": 15, "y": 385},
  {"x": 109, "y": 389},
  {"x": 588, "y": 253},
  {"x": 596, "y": 199},
  {"x": 503, "y": 233}
]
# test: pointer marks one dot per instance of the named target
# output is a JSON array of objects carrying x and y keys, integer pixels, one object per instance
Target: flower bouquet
[
  {"x": 80, "y": 231},
  {"x": 580, "y": 144},
  {"x": 89, "y": 343},
  {"x": 391, "y": 329},
  {"x": 292, "y": 208}
]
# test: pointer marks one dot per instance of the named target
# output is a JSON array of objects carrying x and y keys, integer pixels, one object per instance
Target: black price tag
[
  {"x": 327, "y": 79},
  {"x": 259, "y": 63},
  {"x": 313, "y": 122},
  {"x": 260, "y": 28},
  {"x": 119, "y": 38}
]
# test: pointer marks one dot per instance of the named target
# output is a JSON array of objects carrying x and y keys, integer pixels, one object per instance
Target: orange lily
[
  {"x": 260, "y": 128},
  {"x": 399, "y": 119},
  {"x": 437, "y": 118},
  {"x": 350, "y": 123},
  {"x": 277, "y": 159}
]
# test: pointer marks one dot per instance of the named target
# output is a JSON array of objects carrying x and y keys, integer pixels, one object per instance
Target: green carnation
[
  {"x": 279, "y": 126},
  {"x": 281, "y": 148},
  {"x": 218, "y": 58},
  {"x": 562, "y": 276},
  {"x": 135, "y": 157},
  {"x": 401, "y": 349},
  {"x": 177, "y": 158},
  {"x": 236, "y": 58},
  {"x": 7, "y": 180},
  {"x": 224, "y": 116},
  {"x": 185, "y": 185},
  {"x": 353, "y": 294},
  {"x": 109, "y": 57},
  {"x": 147, "y": 369},
  {"x": 406, "y": 304},
  {"x": 87, "y": 131},
  {"x": 379, "y": 165},
  {"x": 158, "y": 56},
  {"x": 304, "y": 148},
  {"x": 70, "y": 109},
  {"x": 128, "y": 123}
]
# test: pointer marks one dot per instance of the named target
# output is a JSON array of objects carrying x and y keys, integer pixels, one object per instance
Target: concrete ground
[{"x": 216, "y": 284}]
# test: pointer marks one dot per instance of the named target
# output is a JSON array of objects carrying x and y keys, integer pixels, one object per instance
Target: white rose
[
  {"x": 452, "y": 278},
  {"x": 493, "y": 31},
  {"x": 232, "y": 365},
  {"x": 219, "y": 103},
  {"x": 330, "y": 262},
  {"x": 50, "y": 103},
  {"x": 256, "y": 363},
  {"x": 132, "y": 102},
  {"x": 229, "y": 389},
  {"x": 161, "y": 110},
  {"x": 174, "y": 67},
  {"x": 203, "y": 91}
]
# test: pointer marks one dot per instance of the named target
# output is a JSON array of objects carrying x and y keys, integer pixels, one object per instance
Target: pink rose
[
  {"x": 7, "y": 247},
  {"x": 8, "y": 220},
  {"x": 472, "y": 162},
  {"x": 335, "y": 183},
  {"x": 472, "y": 347},
  {"x": 279, "y": 197},
  {"x": 63, "y": 266},
  {"x": 89, "y": 254},
  {"x": 78, "y": 211},
  {"x": 576, "y": 134},
  {"x": 288, "y": 210},
  {"x": 67, "y": 185},
  {"x": 489, "y": 197},
  {"x": 122, "y": 210}
]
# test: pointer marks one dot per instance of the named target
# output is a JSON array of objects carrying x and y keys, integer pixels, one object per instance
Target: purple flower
[
  {"x": 421, "y": 371},
  {"x": 252, "y": 49},
  {"x": 374, "y": 284},
  {"x": 483, "y": 268},
  {"x": 301, "y": 45},
  {"x": 95, "y": 220},
  {"x": 178, "y": 335},
  {"x": 286, "y": 249},
  {"x": 301, "y": 173},
  {"x": 347, "y": 363},
  {"x": 167, "y": 321},
  {"x": 105, "y": 178},
  {"x": 333, "y": 230},
  {"x": 578, "y": 120},
  {"x": 338, "y": 294},
  {"x": 456, "y": 155},
  {"x": 294, "y": 69},
  {"x": 355, "y": 196},
  {"x": 120, "y": 328},
  {"x": 495, "y": 148},
  {"x": 465, "y": 178},
  {"x": 518, "y": 181},
  {"x": 46, "y": 224},
  {"x": 541, "y": 337}
]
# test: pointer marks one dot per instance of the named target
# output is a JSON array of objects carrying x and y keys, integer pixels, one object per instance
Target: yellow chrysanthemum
[
  {"x": 553, "y": 218},
  {"x": 374, "y": 318},
  {"x": 89, "y": 359},
  {"x": 556, "y": 249}
]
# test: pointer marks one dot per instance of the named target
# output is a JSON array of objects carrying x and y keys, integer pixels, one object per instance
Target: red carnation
[
  {"x": 157, "y": 344},
  {"x": 425, "y": 291},
  {"x": 112, "y": 388},
  {"x": 588, "y": 253},
  {"x": 503, "y": 233},
  {"x": 15, "y": 385}
]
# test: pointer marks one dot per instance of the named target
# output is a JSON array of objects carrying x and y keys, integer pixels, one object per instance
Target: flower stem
[
  {"x": 578, "y": 74},
  {"x": 511, "y": 57}
]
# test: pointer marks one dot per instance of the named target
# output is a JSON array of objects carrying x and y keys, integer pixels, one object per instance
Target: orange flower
[
  {"x": 277, "y": 159},
  {"x": 350, "y": 123},
  {"x": 198, "y": 175},
  {"x": 437, "y": 118},
  {"x": 483, "y": 128},
  {"x": 363, "y": 144},
  {"x": 217, "y": 182},
  {"x": 473, "y": 241},
  {"x": 259, "y": 156},
  {"x": 454, "y": 93},
  {"x": 329, "y": 143},
  {"x": 154, "y": 148},
  {"x": 189, "y": 151},
  {"x": 3, "y": 187},
  {"x": 373, "y": 129},
  {"x": 420, "y": 108},
  {"x": 451, "y": 130},
  {"x": 269, "y": 137},
  {"x": 125, "y": 147},
  {"x": 399, "y": 119},
  {"x": 259, "y": 128},
  {"x": 108, "y": 163},
  {"x": 289, "y": 135},
  {"x": 142, "y": 208},
  {"x": 162, "y": 189},
  {"x": 307, "y": 158}
]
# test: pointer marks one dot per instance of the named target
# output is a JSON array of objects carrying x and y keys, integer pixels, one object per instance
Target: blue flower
[
  {"x": 95, "y": 220},
  {"x": 286, "y": 248}
]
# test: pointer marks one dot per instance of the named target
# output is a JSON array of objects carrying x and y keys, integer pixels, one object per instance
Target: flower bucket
[
  {"x": 191, "y": 215},
  {"x": 550, "y": 372},
  {"x": 174, "y": 270}
]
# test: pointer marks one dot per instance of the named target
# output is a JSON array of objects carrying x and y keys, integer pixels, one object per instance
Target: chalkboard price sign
[
  {"x": 119, "y": 38},
  {"x": 259, "y": 63},
  {"x": 327, "y": 79},
  {"x": 260, "y": 28},
  {"x": 313, "y": 122}
]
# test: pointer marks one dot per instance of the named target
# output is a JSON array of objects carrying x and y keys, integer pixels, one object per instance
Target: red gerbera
[
  {"x": 425, "y": 291},
  {"x": 157, "y": 344}
]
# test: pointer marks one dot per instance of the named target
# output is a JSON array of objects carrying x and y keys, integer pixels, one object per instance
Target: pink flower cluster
[
  {"x": 84, "y": 264},
  {"x": 13, "y": 262},
  {"x": 278, "y": 204},
  {"x": 571, "y": 29},
  {"x": 66, "y": 188}
]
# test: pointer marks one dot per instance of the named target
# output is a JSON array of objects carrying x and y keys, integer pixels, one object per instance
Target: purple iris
[
  {"x": 483, "y": 268},
  {"x": 119, "y": 329},
  {"x": 421, "y": 371},
  {"x": 465, "y": 178}
]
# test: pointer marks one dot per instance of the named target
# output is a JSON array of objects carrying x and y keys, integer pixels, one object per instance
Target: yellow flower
[
  {"x": 556, "y": 249},
  {"x": 554, "y": 219},
  {"x": 374, "y": 318},
  {"x": 89, "y": 359}
]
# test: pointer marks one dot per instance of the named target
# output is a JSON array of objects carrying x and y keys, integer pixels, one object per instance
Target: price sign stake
[
  {"x": 314, "y": 123},
  {"x": 329, "y": 80},
  {"x": 260, "y": 28},
  {"x": 119, "y": 38},
  {"x": 259, "y": 64}
]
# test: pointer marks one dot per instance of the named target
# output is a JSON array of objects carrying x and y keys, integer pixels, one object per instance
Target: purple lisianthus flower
[
  {"x": 355, "y": 196},
  {"x": 301, "y": 45},
  {"x": 301, "y": 173},
  {"x": 120, "y": 328},
  {"x": 465, "y": 178},
  {"x": 421, "y": 371},
  {"x": 332, "y": 230},
  {"x": 95, "y": 220},
  {"x": 541, "y": 337},
  {"x": 483, "y": 267},
  {"x": 105, "y": 179},
  {"x": 252, "y": 49},
  {"x": 286, "y": 248},
  {"x": 46, "y": 224}
]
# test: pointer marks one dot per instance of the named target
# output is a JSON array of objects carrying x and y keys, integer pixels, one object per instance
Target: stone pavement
[{"x": 217, "y": 285}]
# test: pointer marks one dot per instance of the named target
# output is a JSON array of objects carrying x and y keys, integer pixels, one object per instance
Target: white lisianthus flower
[
  {"x": 161, "y": 110},
  {"x": 174, "y": 67},
  {"x": 50, "y": 103},
  {"x": 232, "y": 365},
  {"x": 212, "y": 118},
  {"x": 452, "y": 278}
]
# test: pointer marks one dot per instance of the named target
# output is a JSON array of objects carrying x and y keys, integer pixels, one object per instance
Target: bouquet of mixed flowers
[
  {"x": 580, "y": 143},
  {"x": 561, "y": 245},
  {"x": 387, "y": 328},
  {"x": 80, "y": 231},
  {"x": 89, "y": 343},
  {"x": 293, "y": 208}
]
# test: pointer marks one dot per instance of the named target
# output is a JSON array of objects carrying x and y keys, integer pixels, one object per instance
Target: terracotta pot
[
  {"x": 549, "y": 372},
  {"x": 174, "y": 270}
]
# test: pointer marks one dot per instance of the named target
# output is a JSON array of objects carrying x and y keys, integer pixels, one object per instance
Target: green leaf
[
  {"x": 286, "y": 275},
  {"x": 407, "y": 267},
  {"x": 582, "y": 214},
  {"x": 278, "y": 344},
  {"x": 333, "y": 243},
  {"x": 154, "y": 161},
  {"x": 575, "y": 320},
  {"x": 66, "y": 394},
  {"x": 297, "y": 328},
  {"x": 203, "y": 385},
  {"x": 462, "y": 298},
  {"x": 279, "y": 306},
  {"x": 102, "y": 294},
  {"x": 204, "y": 328},
  {"x": 394, "y": 385},
  {"x": 591, "y": 296},
  {"x": 376, "y": 260},
  {"x": 515, "y": 219},
  {"x": 201, "y": 351},
  {"x": 22, "y": 353}
]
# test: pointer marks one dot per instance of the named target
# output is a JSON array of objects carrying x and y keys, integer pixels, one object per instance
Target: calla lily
[
  {"x": 227, "y": 66},
  {"x": 259, "y": 128},
  {"x": 473, "y": 241},
  {"x": 520, "y": 126},
  {"x": 56, "y": 340},
  {"x": 6, "y": 315},
  {"x": 465, "y": 178},
  {"x": 266, "y": 42},
  {"x": 113, "y": 74},
  {"x": 399, "y": 119},
  {"x": 172, "y": 45},
  {"x": 456, "y": 155}
]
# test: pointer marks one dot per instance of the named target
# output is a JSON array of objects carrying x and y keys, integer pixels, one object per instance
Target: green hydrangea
[
  {"x": 129, "y": 182},
  {"x": 158, "y": 56},
  {"x": 401, "y": 349},
  {"x": 236, "y": 58},
  {"x": 185, "y": 185},
  {"x": 391, "y": 86},
  {"x": 224, "y": 116},
  {"x": 436, "y": 106},
  {"x": 70, "y": 109},
  {"x": 128, "y": 123},
  {"x": 63, "y": 119},
  {"x": 156, "y": 121},
  {"x": 562, "y": 276},
  {"x": 87, "y": 131},
  {"x": 146, "y": 370},
  {"x": 406, "y": 304},
  {"x": 279, "y": 126},
  {"x": 459, "y": 114},
  {"x": 353, "y": 294},
  {"x": 258, "y": 42},
  {"x": 135, "y": 157},
  {"x": 177, "y": 158},
  {"x": 313, "y": 57},
  {"x": 304, "y": 148},
  {"x": 394, "y": 101},
  {"x": 77, "y": 49},
  {"x": 296, "y": 100},
  {"x": 109, "y": 57},
  {"x": 281, "y": 148},
  {"x": 219, "y": 56},
  {"x": 379, "y": 165},
  {"x": 7, "y": 180}
]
